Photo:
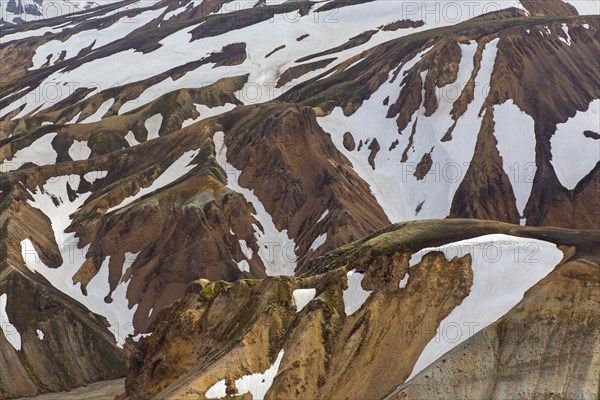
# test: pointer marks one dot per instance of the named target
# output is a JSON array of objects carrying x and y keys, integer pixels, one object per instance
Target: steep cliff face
[{"x": 422, "y": 303}]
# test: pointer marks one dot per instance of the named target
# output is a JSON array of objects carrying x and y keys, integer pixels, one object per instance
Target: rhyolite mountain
[{"x": 203, "y": 156}]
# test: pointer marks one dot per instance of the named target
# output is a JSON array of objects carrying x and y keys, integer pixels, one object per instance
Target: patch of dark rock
[
  {"x": 402, "y": 24},
  {"x": 374, "y": 147},
  {"x": 349, "y": 143},
  {"x": 276, "y": 49}
]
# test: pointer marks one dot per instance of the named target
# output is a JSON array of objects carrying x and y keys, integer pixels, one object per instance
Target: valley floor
[{"x": 106, "y": 390}]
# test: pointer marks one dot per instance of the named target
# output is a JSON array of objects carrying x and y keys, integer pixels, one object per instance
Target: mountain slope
[
  {"x": 144, "y": 146},
  {"x": 396, "y": 302}
]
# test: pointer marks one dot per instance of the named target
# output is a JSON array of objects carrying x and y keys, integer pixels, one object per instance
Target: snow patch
[
  {"x": 244, "y": 266},
  {"x": 79, "y": 150},
  {"x": 573, "y": 154},
  {"x": 514, "y": 131},
  {"x": 355, "y": 296},
  {"x": 8, "y": 329},
  {"x": 565, "y": 29},
  {"x": 325, "y": 214},
  {"x": 92, "y": 176},
  {"x": 217, "y": 391},
  {"x": 404, "y": 281},
  {"x": 319, "y": 241},
  {"x": 258, "y": 384},
  {"x": 100, "y": 112},
  {"x": 131, "y": 140},
  {"x": 40, "y": 152},
  {"x": 302, "y": 297},
  {"x": 152, "y": 125}
]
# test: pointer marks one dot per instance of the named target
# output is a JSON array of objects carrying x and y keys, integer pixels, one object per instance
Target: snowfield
[
  {"x": 326, "y": 30},
  {"x": 504, "y": 268},
  {"x": 401, "y": 194}
]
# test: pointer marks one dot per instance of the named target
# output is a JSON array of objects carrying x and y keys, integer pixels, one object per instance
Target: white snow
[
  {"x": 97, "y": 116},
  {"x": 322, "y": 217},
  {"x": 319, "y": 241},
  {"x": 137, "y": 337},
  {"x": 244, "y": 266},
  {"x": 207, "y": 112},
  {"x": 130, "y": 137},
  {"x": 585, "y": 7},
  {"x": 152, "y": 125},
  {"x": 40, "y": 152},
  {"x": 392, "y": 182},
  {"x": 99, "y": 37},
  {"x": 404, "y": 281},
  {"x": 355, "y": 296},
  {"x": 258, "y": 384},
  {"x": 8, "y": 329},
  {"x": 302, "y": 297},
  {"x": 175, "y": 171},
  {"x": 504, "y": 268},
  {"x": 177, "y": 49},
  {"x": 118, "y": 312},
  {"x": 92, "y": 176},
  {"x": 217, "y": 391},
  {"x": 247, "y": 251},
  {"x": 514, "y": 131},
  {"x": 573, "y": 154},
  {"x": 276, "y": 248},
  {"x": 565, "y": 29},
  {"x": 79, "y": 150},
  {"x": 74, "y": 119},
  {"x": 40, "y": 334}
]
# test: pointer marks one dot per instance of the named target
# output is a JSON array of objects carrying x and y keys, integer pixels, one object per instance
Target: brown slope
[{"x": 224, "y": 331}]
